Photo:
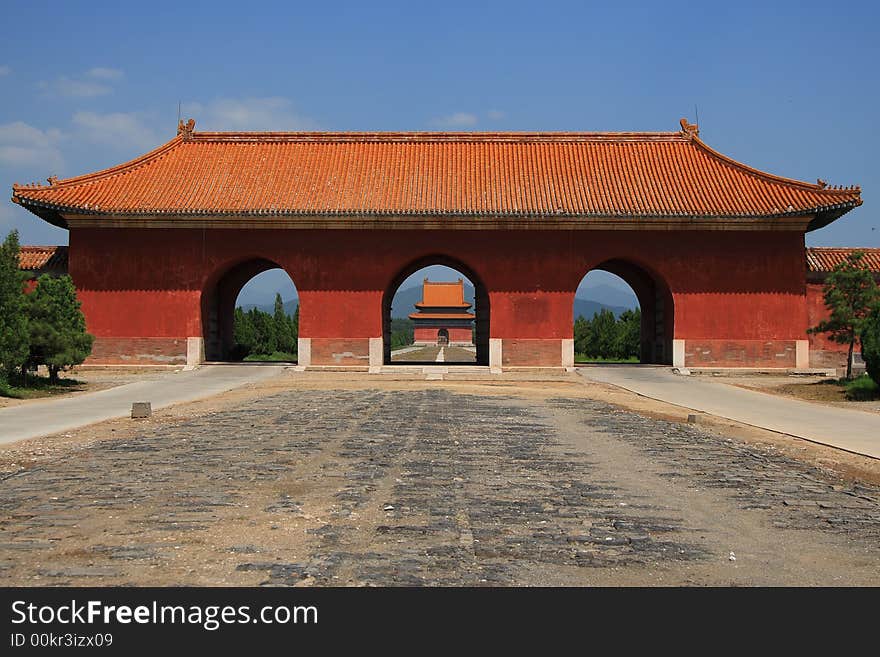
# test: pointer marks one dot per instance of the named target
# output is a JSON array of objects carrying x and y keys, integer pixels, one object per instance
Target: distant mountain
[
  {"x": 289, "y": 306},
  {"x": 587, "y": 308},
  {"x": 587, "y": 303},
  {"x": 608, "y": 295}
]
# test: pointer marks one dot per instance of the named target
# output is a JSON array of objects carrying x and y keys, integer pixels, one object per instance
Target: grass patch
[
  {"x": 38, "y": 386},
  {"x": 274, "y": 357},
  {"x": 583, "y": 358},
  {"x": 862, "y": 389}
]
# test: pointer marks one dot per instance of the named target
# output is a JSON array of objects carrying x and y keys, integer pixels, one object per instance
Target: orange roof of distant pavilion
[
  {"x": 439, "y": 295},
  {"x": 31, "y": 258},
  {"x": 823, "y": 259},
  {"x": 367, "y": 176},
  {"x": 443, "y": 294}
]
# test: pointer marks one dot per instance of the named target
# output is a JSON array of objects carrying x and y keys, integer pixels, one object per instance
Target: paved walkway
[
  {"x": 44, "y": 418},
  {"x": 852, "y": 430}
]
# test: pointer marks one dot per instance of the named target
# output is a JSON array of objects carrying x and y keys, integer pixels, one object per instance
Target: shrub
[
  {"x": 862, "y": 389},
  {"x": 870, "y": 339}
]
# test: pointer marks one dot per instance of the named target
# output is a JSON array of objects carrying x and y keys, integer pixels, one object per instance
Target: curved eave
[
  {"x": 46, "y": 213},
  {"x": 55, "y": 214}
]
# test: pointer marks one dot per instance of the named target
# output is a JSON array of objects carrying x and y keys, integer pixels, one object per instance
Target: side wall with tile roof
[{"x": 735, "y": 292}]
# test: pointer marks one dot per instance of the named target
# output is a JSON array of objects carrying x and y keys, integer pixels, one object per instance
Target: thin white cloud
[
  {"x": 270, "y": 113},
  {"x": 73, "y": 88},
  {"x": 105, "y": 73},
  {"x": 456, "y": 120},
  {"x": 495, "y": 115},
  {"x": 94, "y": 82},
  {"x": 5, "y": 70},
  {"x": 24, "y": 146},
  {"x": 118, "y": 129}
]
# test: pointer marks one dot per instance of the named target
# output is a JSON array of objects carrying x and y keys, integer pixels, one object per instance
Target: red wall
[
  {"x": 429, "y": 334},
  {"x": 824, "y": 352},
  {"x": 148, "y": 283}
]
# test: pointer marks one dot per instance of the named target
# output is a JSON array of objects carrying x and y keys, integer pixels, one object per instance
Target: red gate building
[{"x": 714, "y": 250}]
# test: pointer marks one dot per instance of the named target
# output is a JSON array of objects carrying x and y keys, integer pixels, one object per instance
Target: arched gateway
[{"x": 713, "y": 248}]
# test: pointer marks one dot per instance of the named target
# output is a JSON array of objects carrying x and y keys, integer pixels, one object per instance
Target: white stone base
[
  {"x": 304, "y": 352},
  {"x": 195, "y": 352},
  {"x": 678, "y": 353},
  {"x": 495, "y": 355},
  {"x": 568, "y": 354},
  {"x": 802, "y": 354},
  {"x": 377, "y": 354}
]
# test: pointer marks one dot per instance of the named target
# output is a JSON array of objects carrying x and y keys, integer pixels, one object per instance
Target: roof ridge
[
  {"x": 55, "y": 183},
  {"x": 842, "y": 248},
  {"x": 434, "y": 136}
]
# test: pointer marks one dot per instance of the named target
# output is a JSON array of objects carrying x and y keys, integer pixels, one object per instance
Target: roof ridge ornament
[
  {"x": 689, "y": 130},
  {"x": 186, "y": 129},
  {"x": 821, "y": 184},
  {"x": 53, "y": 180}
]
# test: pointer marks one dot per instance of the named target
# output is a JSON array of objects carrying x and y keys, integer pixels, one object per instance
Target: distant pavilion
[{"x": 443, "y": 316}]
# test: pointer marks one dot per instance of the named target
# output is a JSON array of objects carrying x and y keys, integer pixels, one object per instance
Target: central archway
[{"x": 481, "y": 303}]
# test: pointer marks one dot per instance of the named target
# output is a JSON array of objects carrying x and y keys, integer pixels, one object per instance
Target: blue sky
[{"x": 788, "y": 87}]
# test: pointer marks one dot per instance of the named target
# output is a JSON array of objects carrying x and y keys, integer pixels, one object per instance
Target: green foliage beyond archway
[
  {"x": 265, "y": 336},
  {"x": 608, "y": 338}
]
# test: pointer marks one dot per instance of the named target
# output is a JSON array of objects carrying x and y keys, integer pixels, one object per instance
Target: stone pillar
[
  {"x": 195, "y": 352},
  {"x": 802, "y": 354},
  {"x": 495, "y": 355},
  {"x": 304, "y": 352},
  {"x": 377, "y": 354},
  {"x": 678, "y": 353},
  {"x": 568, "y": 354}
]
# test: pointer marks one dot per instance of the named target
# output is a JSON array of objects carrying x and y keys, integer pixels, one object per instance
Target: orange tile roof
[
  {"x": 31, "y": 258},
  {"x": 507, "y": 175},
  {"x": 442, "y": 316},
  {"x": 443, "y": 294},
  {"x": 825, "y": 258}
]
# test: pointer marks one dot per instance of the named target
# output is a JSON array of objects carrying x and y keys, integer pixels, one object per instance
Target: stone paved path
[
  {"x": 45, "y": 417},
  {"x": 850, "y": 429},
  {"x": 432, "y": 487}
]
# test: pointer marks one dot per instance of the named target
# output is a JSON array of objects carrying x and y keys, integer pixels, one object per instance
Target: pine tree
[
  {"x": 14, "y": 339},
  {"x": 283, "y": 327},
  {"x": 265, "y": 343},
  {"x": 850, "y": 292},
  {"x": 581, "y": 335},
  {"x": 294, "y": 322},
  {"x": 870, "y": 339},
  {"x": 604, "y": 333},
  {"x": 629, "y": 334},
  {"x": 243, "y": 333},
  {"x": 57, "y": 327}
]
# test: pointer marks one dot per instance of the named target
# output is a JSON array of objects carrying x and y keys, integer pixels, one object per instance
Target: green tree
[
  {"x": 604, "y": 334},
  {"x": 629, "y": 334},
  {"x": 582, "y": 331},
  {"x": 243, "y": 334},
  {"x": 870, "y": 339},
  {"x": 265, "y": 342},
  {"x": 57, "y": 327},
  {"x": 284, "y": 332},
  {"x": 295, "y": 323},
  {"x": 402, "y": 330},
  {"x": 849, "y": 293},
  {"x": 14, "y": 338}
]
